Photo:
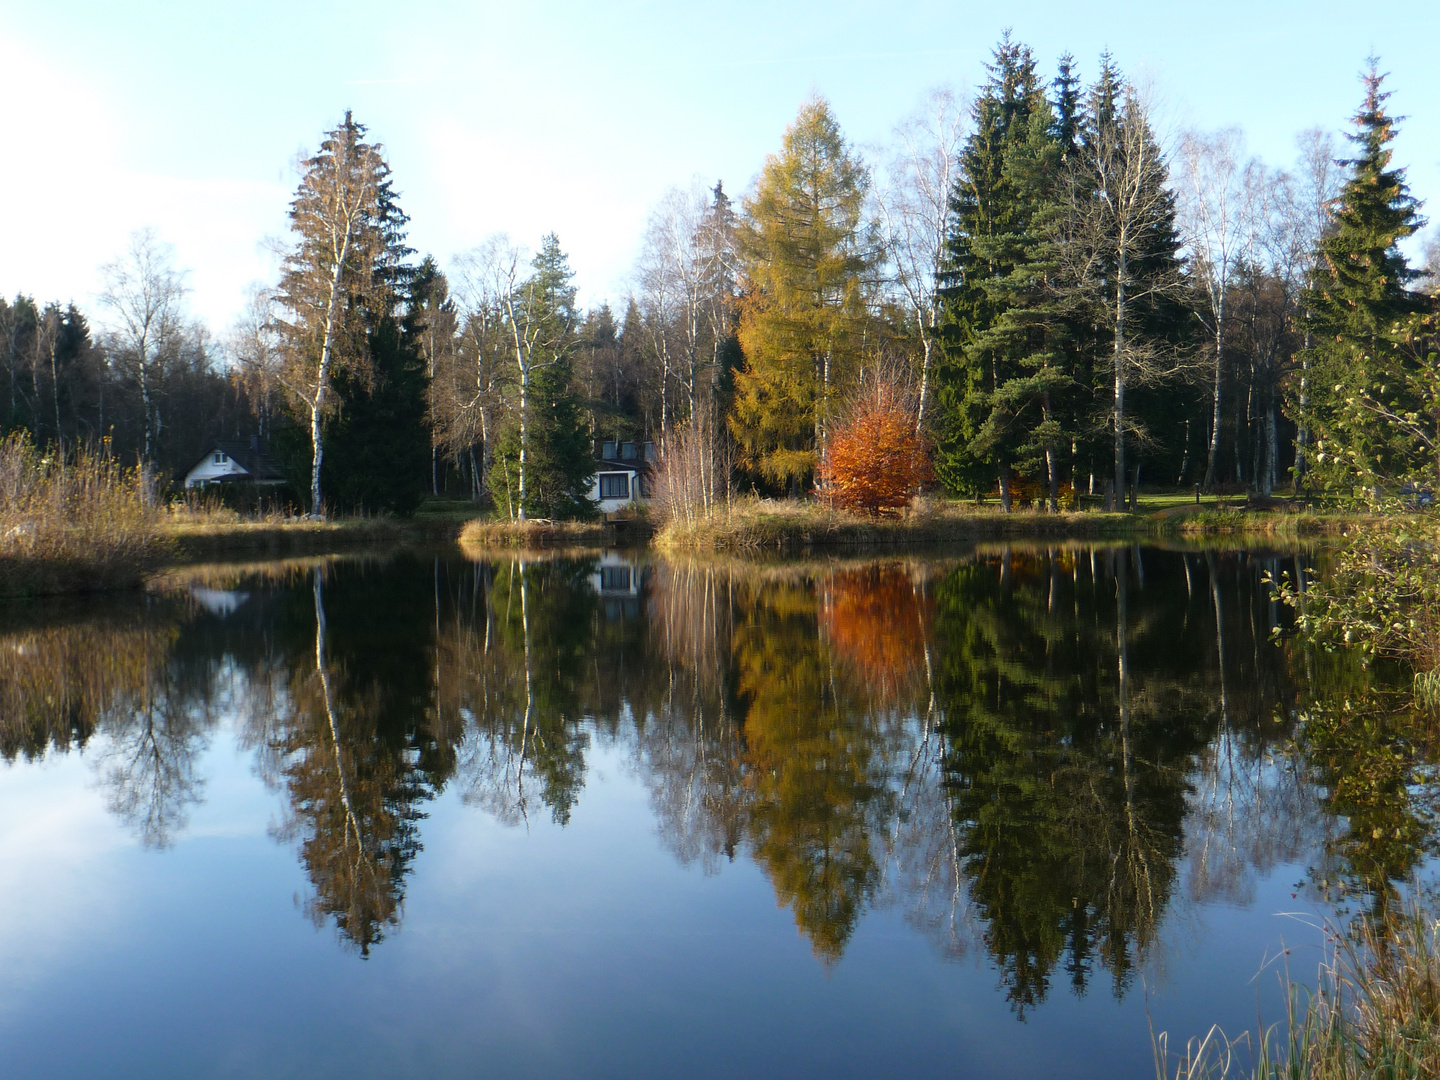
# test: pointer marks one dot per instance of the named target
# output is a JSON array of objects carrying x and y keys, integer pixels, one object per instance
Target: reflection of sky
[{"x": 534, "y": 951}]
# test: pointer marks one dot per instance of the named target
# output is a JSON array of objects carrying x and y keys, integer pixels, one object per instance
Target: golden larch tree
[{"x": 806, "y": 248}]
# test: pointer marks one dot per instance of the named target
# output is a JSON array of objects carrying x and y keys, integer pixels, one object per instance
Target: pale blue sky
[{"x": 528, "y": 117}]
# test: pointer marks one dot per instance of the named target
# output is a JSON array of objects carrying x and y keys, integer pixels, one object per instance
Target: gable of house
[{"x": 234, "y": 461}]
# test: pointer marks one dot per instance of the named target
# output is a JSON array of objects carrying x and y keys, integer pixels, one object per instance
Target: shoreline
[
  {"x": 752, "y": 531},
  {"x": 816, "y": 528}
]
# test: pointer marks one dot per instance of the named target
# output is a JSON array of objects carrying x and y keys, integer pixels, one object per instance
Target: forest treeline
[{"x": 1055, "y": 299}]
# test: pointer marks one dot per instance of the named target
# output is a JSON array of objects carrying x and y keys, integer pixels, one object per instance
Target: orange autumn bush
[{"x": 875, "y": 460}]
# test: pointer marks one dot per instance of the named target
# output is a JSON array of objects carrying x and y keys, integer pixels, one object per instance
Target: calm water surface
[{"x": 961, "y": 816}]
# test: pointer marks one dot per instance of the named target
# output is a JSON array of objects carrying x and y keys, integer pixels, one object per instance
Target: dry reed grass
[
  {"x": 74, "y": 523},
  {"x": 754, "y": 524},
  {"x": 1374, "y": 1014},
  {"x": 482, "y": 533},
  {"x": 782, "y": 524}
]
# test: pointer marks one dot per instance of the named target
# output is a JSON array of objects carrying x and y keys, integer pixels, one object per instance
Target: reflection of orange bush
[
  {"x": 874, "y": 460},
  {"x": 874, "y": 619}
]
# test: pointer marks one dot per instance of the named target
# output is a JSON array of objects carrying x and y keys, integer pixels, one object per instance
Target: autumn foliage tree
[
  {"x": 806, "y": 250},
  {"x": 875, "y": 460}
]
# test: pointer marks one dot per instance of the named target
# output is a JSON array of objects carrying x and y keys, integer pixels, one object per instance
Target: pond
[{"x": 996, "y": 812}]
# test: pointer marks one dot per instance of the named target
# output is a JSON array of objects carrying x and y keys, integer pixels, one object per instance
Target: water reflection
[
  {"x": 63, "y": 681},
  {"x": 354, "y": 763},
  {"x": 1040, "y": 754}
]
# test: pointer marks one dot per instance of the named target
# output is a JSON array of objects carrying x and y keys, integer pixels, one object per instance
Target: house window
[
  {"x": 219, "y": 458},
  {"x": 615, "y": 578},
  {"x": 614, "y": 485}
]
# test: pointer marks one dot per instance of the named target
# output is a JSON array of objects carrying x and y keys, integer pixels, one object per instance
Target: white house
[
  {"x": 235, "y": 462},
  {"x": 622, "y": 476}
]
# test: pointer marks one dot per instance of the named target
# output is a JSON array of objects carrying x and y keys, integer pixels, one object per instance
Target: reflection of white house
[
  {"x": 616, "y": 576},
  {"x": 220, "y": 602},
  {"x": 617, "y": 580},
  {"x": 622, "y": 476},
  {"x": 235, "y": 462}
]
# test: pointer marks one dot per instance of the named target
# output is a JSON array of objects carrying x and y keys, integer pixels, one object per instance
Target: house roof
[
  {"x": 246, "y": 454},
  {"x": 630, "y": 465}
]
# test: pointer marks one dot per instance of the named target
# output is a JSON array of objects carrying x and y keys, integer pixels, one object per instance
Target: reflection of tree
[
  {"x": 519, "y": 677},
  {"x": 815, "y": 762},
  {"x": 1021, "y": 750},
  {"x": 1361, "y": 738},
  {"x": 876, "y": 618},
  {"x": 879, "y": 620},
  {"x": 1021, "y": 760},
  {"x": 1071, "y": 740},
  {"x": 148, "y": 761},
  {"x": 689, "y": 753},
  {"x": 61, "y": 684},
  {"x": 58, "y": 681},
  {"x": 356, "y": 763},
  {"x": 1371, "y": 753}
]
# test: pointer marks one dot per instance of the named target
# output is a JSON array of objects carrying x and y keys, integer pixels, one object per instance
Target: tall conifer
[
  {"x": 559, "y": 455},
  {"x": 805, "y": 249},
  {"x": 988, "y": 265},
  {"x": 1372, "y": 386}
]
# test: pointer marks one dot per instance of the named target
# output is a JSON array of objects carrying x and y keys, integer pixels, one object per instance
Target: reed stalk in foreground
[
  {"x": 74, "y": 523},
  {"x": 1375, "y": 1015}
]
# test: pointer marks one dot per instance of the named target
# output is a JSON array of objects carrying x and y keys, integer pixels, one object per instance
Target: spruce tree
[
  {"x": 379, "y": 443},
  {"x": 559, "y": 460},
  {"x": 988, "y": 263},
  {"x": 1067, "y": 107},
  {"x": 1372, "y": 388}
]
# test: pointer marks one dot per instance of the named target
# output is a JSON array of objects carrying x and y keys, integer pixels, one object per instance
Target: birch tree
[
  {"x": 348, "y": 244},
  {"x": 254, "y": 349},
  {"x": 1319, "y": 181},
  {"x": 143, "y": 296},
  {"x": 1121, "y": 244},
  {"x": 672, "y": 274},
  {"x": 913, "y": 211},
  {"x": 1217, "y": 221},
  {"x": 470, "y": 394},
  {"x": 537, "y": 319}
]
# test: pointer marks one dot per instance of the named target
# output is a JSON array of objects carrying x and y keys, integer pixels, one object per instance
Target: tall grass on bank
[
  {"x": 753, "y": 524},
  {"x": 482, "y": 533},
  {"x": 749, "y": 523},
  {"x": 1374, "y": 1015},
  {"x": 74, "y": 523}
]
